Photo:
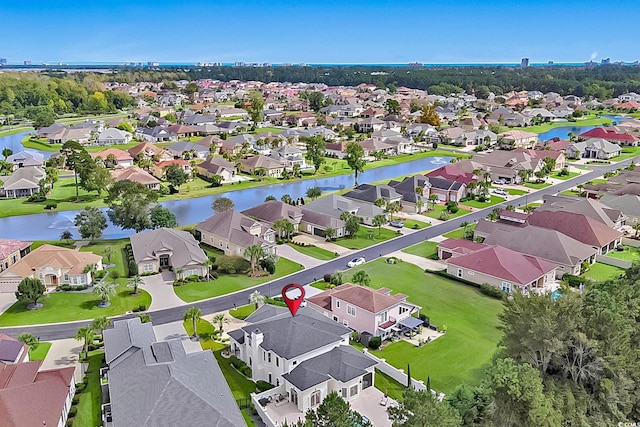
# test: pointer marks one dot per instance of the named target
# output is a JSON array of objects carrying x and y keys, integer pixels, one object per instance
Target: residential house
[
  {"x": 159, "y": 168},
  {"x": 271, "y": 167},
  {"x": 53, "y": 265},
  {"x": 182, "y": 131},
  {"x": 12, "y": 351},
  {"x": 559, "y": 158},
  {"x": 24, "y": 182},
  {"x": 306, "y": 356},
  {"x": 273, "y": 210},
  {"x": 628, "y": 204},
  {"x": 233, "y": 232},
  {"x": 316, "y": 223},
  {"x": 542, "y": 114},
  {"x": 452, "y": 136},
  {"x": 503, "y": 165},
  {"x": 371, "y": 124},
  {"x": 49, "y": 130},
  {"x": 120, "y": 159},
  {"x": 412, "y": 201},
  {"x": 372, "y": 146},
  {"x": 446, "y": 189},
  {"x": 335, "y": 206},
  {"x": 30, "y": 396},
  {"x": 188, "y": 150},
  {"x": 592, "y": 208},
  {"x": 166, "y": 248},
  {"x": 594, "y": 148},
  {"x": 146, "y": 150},
  {"x": 453, "y": 173},
  {"x": 518, "y": 139},
  {"x": 479, "y": 137},
  {"x": 375, "y": 311},
  {"x": 180, "y": 388},
  {"x": 156, "y": 134},
  {"x": 289, "y": 156},
  {"x": 24, "y": 159},
  {"x": 135, "y": 174},
  {"x": 622, "y": 139},
  {"x": 368, "y": 193},
  {"x": 503, "y": 269},
  {"x": 217, "y": 166},
  {"x": 112, "y": 136},
  {"x": 83, "y": 136},
  {"x": 11, "y": 251}
]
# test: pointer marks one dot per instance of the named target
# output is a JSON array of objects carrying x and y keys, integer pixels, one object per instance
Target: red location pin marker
[{"x": 293, "y": 303}]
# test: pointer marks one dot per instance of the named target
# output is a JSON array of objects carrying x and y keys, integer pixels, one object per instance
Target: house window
[
  {"x": 315, "y": 398},
  {"x": 336, "y": 318},
  {"x": 351, "y": 310},
  {"x": 269, "y": 359},
  {"x": 345, "y": 322},
  {"x": 66, "y": 277},
  {"x": 83, "y": 279},
  {"x": 211, "y": 239},
  {"x": 384, "y": 316},
  {"x": 353, "y": 390},
  {"x": 277, "y": 361},
  {"x": 41, "y": 276},
  {"x": 459, "y": 272},
  {"x": 147, "y": 268},
  {"x": 337, "y": 304},
  {"x": 403, "y": 310},
  {"x": 506, "y": 286}
]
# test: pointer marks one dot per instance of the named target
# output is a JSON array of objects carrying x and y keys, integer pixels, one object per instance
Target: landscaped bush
[
  {"x": 80, "y": 387},
  {"x": 268, "y": 265},
  {"x": 491, "y": 291},
  {"x": 275, "y": 301},
  {"x": 100, "y": 274},
  {"x": 482, "y": 198},
  {"x": 66, "y": 288},
  {"x": 75, "y": 400},
  {"x": 453, "y": 209},
  {"x": 263, "y": 386},
  {"x": 573, "y": 281},
  {"x": 375, "y": 343},
  {"x": 51, "y": 205},
  {"x": 425, "y": 320},
  {"x": 141, "y": 307},
  {"x": 37, "y": 198},
  {"x": 73, "y": 411},
  {"x": 236, "y": 263},
  {"x": 327, "y": 277}
]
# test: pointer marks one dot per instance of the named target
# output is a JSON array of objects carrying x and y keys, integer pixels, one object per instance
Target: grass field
[
  {"x": 389, "y": 386},
  {"x": 365, "y": 237},
  {"x": 424, "y": 249},
  {"x": 415, "y": 224},
  {"x": 89, "y": 407},
  {"x": 516, "y": 192},
  {"x": 314, "y": 251},
  {"x": 600, "y": 272},
  {"x": 40, "y": 352},
  {"x": 564, "y": 177},
  {"x": 591, "y": 120},
  {"x": 537, "y": 185},
  {"x": 570, "y": 193},
  {"x": 463, "y": 353},
  {"x": 493, "y": 200},
  {"x": 628, "y": 254},
  {"x": 627, "y": 153},
  {"x": 242, "y": 312},
  {"x": 228, "y": 283},
  {"x": 458, "y": 233},
  {"x": 438, "y": 209}
]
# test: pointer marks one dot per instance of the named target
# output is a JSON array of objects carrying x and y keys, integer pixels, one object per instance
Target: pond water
[{"x": 563, "y": 131}]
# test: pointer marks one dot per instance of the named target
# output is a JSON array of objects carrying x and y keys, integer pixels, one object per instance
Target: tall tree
[
  {"x": 29, "y": 339},
  {"x": 135, "y": 282},
  {"x": 6, "y": 152},
  {"x": 66, "y": 235},
  {"x": 130, "y": 204},
  {"x": 313, "y": 192},
  {"x": 222, "y": 204},
  {"x": 254, "y": 253},
  {"x": 378, "y": 221},
  {"x": 355, "y": 158},
  {"x": 284, "y": 227},
  {"x": 162, "y": 217},
  {"x": 221, "y": 320},
  {"x": 104, "y": 291},
  {"x": 76, "y": 157},
  {"x": 430, "y": 116},
  {"x": 256, "y": 106},
  {"x": 94, "y": 176},
  {"x": 101, "y": 323},
  {"x": 30, "y": 290},
  {"x": 193, "y": 314},
  {"x": 175, "y": 176},
  {"x": 91, "y": 222},
  {"x": 421, "y": 408},
  {"x": 256, "y": 298},
  {"x": 85, "y": 334},
  {"x": 316, "y": 151},
  {"x": 392, "y": 106}
]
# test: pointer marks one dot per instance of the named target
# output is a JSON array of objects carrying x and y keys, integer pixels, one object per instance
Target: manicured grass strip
[
  {"x": 415, "y": 224},
  {"x": 564, "y": 177},
  {"x": 242, "y": 312},
  {"x": 424, "y": 249},
  {"x": 570, "y": 193},
  {"x": 438, "y": 209},
  {"x": 493, "y": 200},
  {"x": 314, "y": 251},
  {"x": 89, "y": 407},
  {"x": 365, "y": 237},
  {"x": 389, "y": 386},
  {"x": 464, "y": 352},
  {"x": 516, "y": 192},
  {"x": 628, "y": 254},
  {"x": 458, "y": 233},
  {"x": 70, "y": 306},
  {"x": 227, "y": 283},
  {"x": 118, "y": 256},
  {"x": 537, "y": 185},
  {"x": 40, "y": 352},
  {"x": 600, "y": 272}
]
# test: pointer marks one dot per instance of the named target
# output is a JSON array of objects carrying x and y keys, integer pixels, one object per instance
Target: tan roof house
[
  {"x": 272, "y": 167},
  {"x": 11, "y": 251},
  {"x": 114, "y": 157},
  {"x": 138, "y": 175},
  {"x": 217, "y": 166},
  {"x": 53, "y": 265}
]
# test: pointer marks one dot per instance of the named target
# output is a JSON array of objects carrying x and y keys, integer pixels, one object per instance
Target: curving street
[{"x": 159, "y": 317}]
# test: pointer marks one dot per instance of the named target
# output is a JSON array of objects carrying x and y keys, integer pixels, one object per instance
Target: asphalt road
[{"x": 68, "y": 330}]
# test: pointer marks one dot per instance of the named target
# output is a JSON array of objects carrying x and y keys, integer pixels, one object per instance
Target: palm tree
[
  {"x": 280, "y": 225},
  {"x": 193, "y": 314},
  {"x": 105, "y": 291},
  {"x": 6, "y": 152},
  {"x": 108, "y": 253},
  {"x": 87, "y": 335},
  {"x": 144, "y": 317},
  {"x": 30, "y": 340},
  {"x": 434, "y": 199},
  {"x": 220, "y": 319},
  {"x": 378, "y": 221},
  {"x": 209, "y": 263},
  {"x": 380, "y": 202},
  {"x": 393, "y": 208},
  {"x": 100, "y": 324},
  {"x": 254, "y": 253},
  {"x": 134, "y": 282},
  {"x": 66, "y": 235},
  {"x": 330, "y": 233},
  {"x": 419, "y": 205},
  {"x": 256, "y": 298},
  {"x": 337, "y": 278}
]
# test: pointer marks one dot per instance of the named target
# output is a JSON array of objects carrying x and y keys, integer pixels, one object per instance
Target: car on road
[
  {"x": 499, "y": 192},
  {"x": 356, "y": 262},
  {"x": 396, "y": 223}
]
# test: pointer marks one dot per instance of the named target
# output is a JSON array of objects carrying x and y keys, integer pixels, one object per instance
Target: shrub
[
  {"x": 164, "y": 190},
  {"x": 442, "y": 328},
  {"x": 573, "y": 281},
  {"x": 100, "y": 274},
  {"x": 37, "y": 198},
  {"x": 482, "y": 198},
  {"x": 236, "y": 263},
  {"x": 263, "y": 386},
  {"x": 66, "y": 287},
  {"x": 327, "y": 277},
  {"x": 133, "y": 267},
  {"x": 246, "y": 371},
  {"x": 375, "y": 343},
  {"x": 355, "y": 336},
  {"x": 80, "y": 387},
  {"x": 453, "y": 209},
  {"x": 231, "y": 271},
  {"x": 73, "y": 411},
  {"x": 415, "y": 226},
  {"x": 75, "y": 400},
  {"x": 268, "y": 265},
  {"x": 141, "y": 307},
  {"x": 492, "y": 292},
  {"x": 51, "y": 205},
  {"x": 425, "y": 320}
]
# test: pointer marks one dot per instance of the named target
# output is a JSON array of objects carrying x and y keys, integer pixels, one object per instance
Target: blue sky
[{"x": 325, "y": 31}]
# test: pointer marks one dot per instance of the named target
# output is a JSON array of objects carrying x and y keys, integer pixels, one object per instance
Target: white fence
[
  {"x": 630, "y": 242},
  {"x": 613, "y": 261}
]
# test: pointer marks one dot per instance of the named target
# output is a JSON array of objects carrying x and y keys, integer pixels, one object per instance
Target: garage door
[{"x": 318, "y": 232}]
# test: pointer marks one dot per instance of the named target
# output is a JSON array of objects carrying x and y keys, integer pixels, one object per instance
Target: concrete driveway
[
  {"x": 173, "y": 330},
  {"x": 288, "y": 252},
  {"x": 160, "y": 286},
  {"x": 64, "y": 353},
  {"x": 7, "y": 299}
]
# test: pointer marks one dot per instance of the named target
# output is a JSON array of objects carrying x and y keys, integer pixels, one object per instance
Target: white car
[
  {"x": 355, "y": 262},
  {"x": 500, "y": 192}
]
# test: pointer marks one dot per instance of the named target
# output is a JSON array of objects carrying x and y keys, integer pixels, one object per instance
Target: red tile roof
[
  {"x": 461, "y": 246},
  {"x": 451, "y": 172},
  {"x": 360, "y": 296},
  {"x": 7, "y": 247},
  {"x": 608, "y": 134},
  {"x": 580, "y": 227}
]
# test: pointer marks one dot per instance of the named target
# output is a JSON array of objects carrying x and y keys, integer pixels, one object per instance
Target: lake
[{"x": 563, "y": 131}]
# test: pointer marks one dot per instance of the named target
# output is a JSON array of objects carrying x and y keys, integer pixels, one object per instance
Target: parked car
[
  {"x": 499, "y": 182},
  {"x": 396, "y": 223},
  {"x": 500, "y": 192},
  {"x": 356, "y": 262}
]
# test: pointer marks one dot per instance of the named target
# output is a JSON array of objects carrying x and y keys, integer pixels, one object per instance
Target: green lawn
[
  {"x": 627, "y": 153},
  {"x": 564, "y": 177},
  {"x": 600, "y": 272},
  {"x": 314, "y": 251},
  {"x": 464, "y": 352},
  {"x": 424, "y": 249},
  {"x": 628, "y": 254},
  {"x": 243, "y": 312},
  {"x": 516, "y": 192},
  {"x": 89, "y": 407},
  {"x": 71, "y": 306},
  {"x": 537, "y": 185},
  {"x": 415, "y": 224},
  {"x": 570, "y": 193},
  {"x": 389, "y": 386},
  {"x": 493, "y": 200},
  {"x": 437, "y": 210},
  {"x": 365, "y": 237},
  {"x": 40, "y": 352},
  {"x": 228, "y": 283},
  {"x": 597, "y": 181},
  {"x": 118, "y": 256},
  {"x": 458, "y": 233},
  {"x": 533, "y": 205}
]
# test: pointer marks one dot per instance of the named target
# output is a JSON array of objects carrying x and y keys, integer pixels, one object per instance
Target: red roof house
[
  {"x": 452, "y": 173},
  {"x": 611, "y": 136}
]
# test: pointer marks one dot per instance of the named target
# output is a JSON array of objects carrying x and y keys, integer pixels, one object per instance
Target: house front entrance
[
  {"x": 164, "y": 261},
  {"x": 367, "y": 380}
]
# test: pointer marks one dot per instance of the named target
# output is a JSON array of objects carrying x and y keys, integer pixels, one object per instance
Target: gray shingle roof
[
  {"x": 184, "y": 247},
  {"x": 343, "y": 363}
]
